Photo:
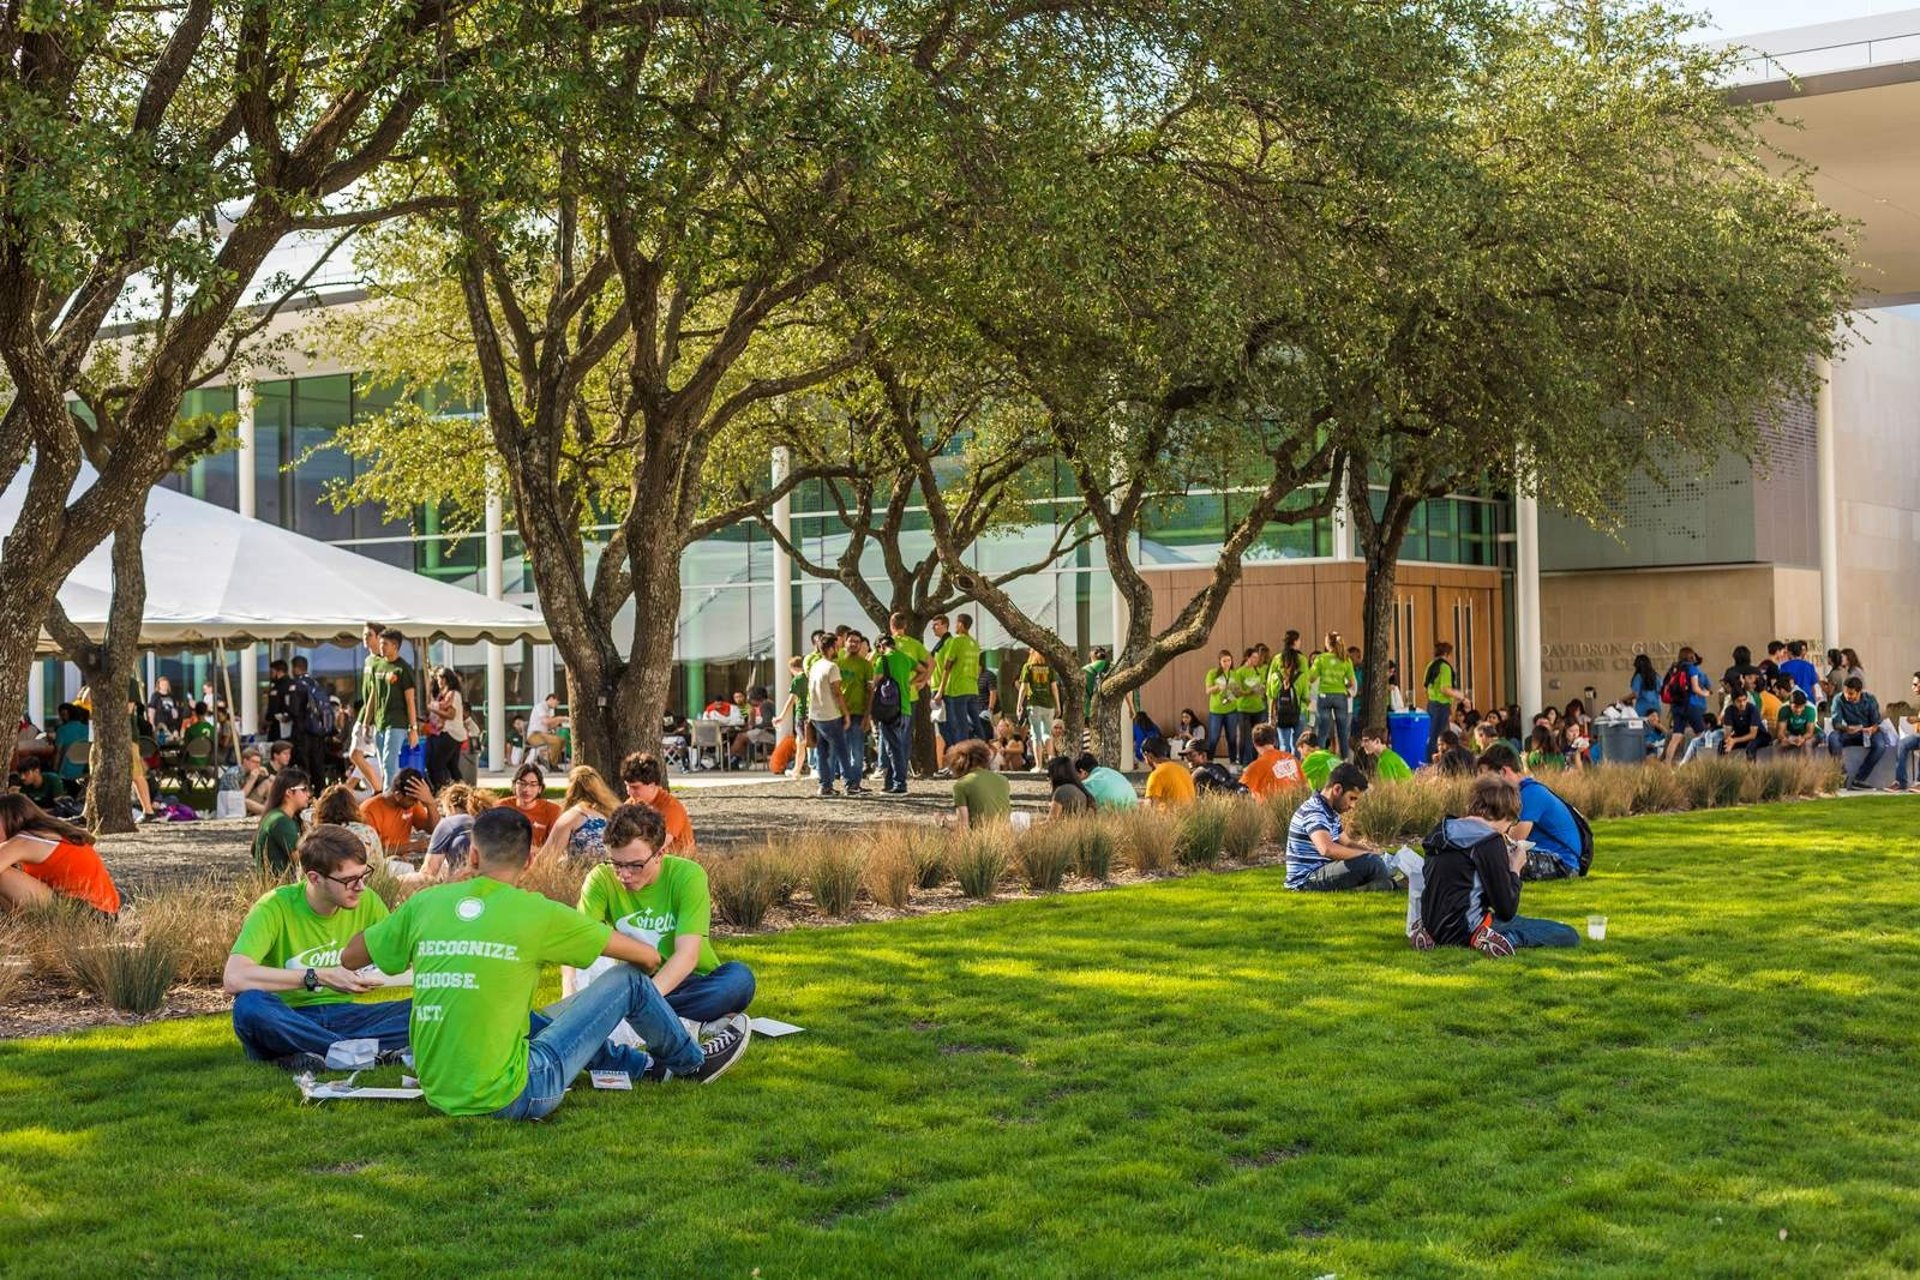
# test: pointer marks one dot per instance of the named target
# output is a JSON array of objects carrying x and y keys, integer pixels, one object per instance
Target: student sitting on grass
[
  {"x": 290, "y": 992},
  {"x": 42, "y": 857},
  {"x": 663, "y": 901},
  {"x": 1316, "y": 763},
  {"x": 279, "y": 830},
  {"x": 1272, "y": 769},
  {"x": 1544, "y": 819},
  {"x": 1110, "y": 787},
  {"x": 1471, "y": 895},
  {"x": 476, "y": 948},
  {"x": 1169, "y": 786},
  {"x": 1317, "y": 857},
  {"x": 979, "y": 794},
  {"x": 1378, "y": 759}
]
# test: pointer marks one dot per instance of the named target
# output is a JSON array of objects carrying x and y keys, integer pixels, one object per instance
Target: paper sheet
[{"x": 773, "y": 1028}]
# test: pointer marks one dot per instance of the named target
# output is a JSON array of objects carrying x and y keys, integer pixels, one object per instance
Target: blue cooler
[{"x": 1408, "y": 729}]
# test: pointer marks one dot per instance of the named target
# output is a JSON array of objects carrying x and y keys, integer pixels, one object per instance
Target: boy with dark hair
[
  {"x": 1544, "y": 820},
  {"x": 1742, "y": 728},
  {"x": 1799, "y": 723},
  {"x": 1797, "y": 669},
  {"x": 1856, "y": 723},
  {"x": 477, "y": 948},
  {"x": 290, "y": 989},
  {"x": 645, "y": 778},
  {"x": 1317, "y": 856},
  {"x": 1471, "y": 895}
]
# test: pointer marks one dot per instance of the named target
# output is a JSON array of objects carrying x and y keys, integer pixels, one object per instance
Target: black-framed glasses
[
  {"x": 350, "y": 883},
  {"x": 641, "y": 865}
]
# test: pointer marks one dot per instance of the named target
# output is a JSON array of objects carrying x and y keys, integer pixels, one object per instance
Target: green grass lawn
[{"x": 1209, "y": 1076}]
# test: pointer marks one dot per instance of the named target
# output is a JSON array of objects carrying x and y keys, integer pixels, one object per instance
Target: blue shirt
[
  {"x": 1110, "y": 789},
  {"x": 1697, "y": 677},
  {"x": 1801, "y": 672},
  {"x": 1303, "y": 858},
  {"x": 1553, "y": 827}
]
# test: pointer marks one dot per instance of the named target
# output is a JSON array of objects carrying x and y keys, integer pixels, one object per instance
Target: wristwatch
[{"x": 312, "y": 980}]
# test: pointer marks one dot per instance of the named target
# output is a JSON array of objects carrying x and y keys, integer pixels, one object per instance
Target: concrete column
[
  {"x": 1526, "y": 603},
  {"x": 782, "y": 574},
  {"x": 247, "y": 494},
  {"x": 1829, "y": 507},
  {"x": 1342, "y": 527},
  {"x": 496, "y": 654},
  {"x": 36, "y": 694}
]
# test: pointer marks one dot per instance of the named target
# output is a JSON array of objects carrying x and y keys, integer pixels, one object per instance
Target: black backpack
[
  {"x": 1585, "y": 829},
  {"x": 319, "y": 718},
  {"x": 884, "y": 702},
  {"x": 1286, "y": 706}
]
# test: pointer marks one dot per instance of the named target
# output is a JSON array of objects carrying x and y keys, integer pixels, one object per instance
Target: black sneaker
[
  {"x": 858, "y": 791},
  {"x": 299, "y": 1062},
  {"x": 723, "y": 1049},
  {"x": 827, "y": 791}
]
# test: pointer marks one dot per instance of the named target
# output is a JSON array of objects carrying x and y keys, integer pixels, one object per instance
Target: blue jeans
[
  {"x": 832, "y": 736},
  {"x": 963, "y": 717},
  {"x": 577, "y": 1039},
  {"x": 1439, "y": 717},
  {"x": 706, "y": 996},
  {"x": 388, "y": 744},
  {"x": 1286, "y": 738},
  {"x": 1368, "y": 871},
  {"x": 857, "y": 751},
  {"x": 1335, "y": 716},
  {"x": 1873, "y": 740},
  {"x": 1523, "y": 931},
  {"x": 1901, "y": 754},
  {"x": 894, "y": 740},
  {"x": 1223, "y": 727},
  {"x": 270, "y": 1028}
]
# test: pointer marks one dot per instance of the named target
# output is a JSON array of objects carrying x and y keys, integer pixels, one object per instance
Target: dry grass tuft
[
  {"x": 196, "y": 924},
  {"x": 745, "y": 885},
  {"x": 1246, "y": 828},
  {"x": 892, "y": 867},
  {"x": 1045, "y": 851},
  {"x": 1146, "y": 837},
  {"x": 981, "y": 856},
  {"x": 834, "y": 866}
]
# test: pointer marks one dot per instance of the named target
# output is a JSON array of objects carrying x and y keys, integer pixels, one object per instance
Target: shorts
[
  {"x": 360, "y": 742},
  {"x": 139, "y": 765},
  {"x": 1691, "y": 718}
]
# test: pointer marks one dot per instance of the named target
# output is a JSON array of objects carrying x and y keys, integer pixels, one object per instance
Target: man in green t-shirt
[
  {"x": 911, "y": 666},
  {"x": 664, "y": 902},
  {"x": 856, "y": 680},
  {"x": 956, "y": 682},
  {"x": 290, "y": 992},
  {"x": 1316, "y": 763},
  {"x": 476, "y": 948},
  {"x": 394, "y": 717},
  {"x": 1441, "y": 693},
  {"x": 1388, "y": 765}
]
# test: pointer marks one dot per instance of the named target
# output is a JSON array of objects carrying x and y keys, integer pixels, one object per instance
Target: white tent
[{"x": 214, "y": 576}]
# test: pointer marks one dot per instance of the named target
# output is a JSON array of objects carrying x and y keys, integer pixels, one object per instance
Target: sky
[{"x": 1749, "y": 17}]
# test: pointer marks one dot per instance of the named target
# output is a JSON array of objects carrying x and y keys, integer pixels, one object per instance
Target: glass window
[
  {"x": 272, "y": 421},
  {"x": 319, "y": 406}
]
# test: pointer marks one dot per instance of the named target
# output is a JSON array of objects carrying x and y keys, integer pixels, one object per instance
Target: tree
[
  {"x": 1604, "y": 278},
  {"x": 154, "y": 157}
]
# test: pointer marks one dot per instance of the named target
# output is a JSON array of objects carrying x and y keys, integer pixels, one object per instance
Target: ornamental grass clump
[
  {"x": 1657, "y": 788},
  {"x": 557, "y": 878},
  {"x": 1202, "y": 833},
  {"x": 890, "y": 866},
  {"x": 1093, "y": 849},
  {"x": 833, "y": 873},
  {"x": 1146, "y": 838},
  {"x": 1390, "y": 812},
  {"x": 1713, "y": 783},
  {"x": 1280, "y": 807},
  {"x": 744, "y": 885},
  {"x": 128, "y": 973},
  {"x": 197, "y": 923},
  {"x": 1045, "y": 851},
  {"x": 932, "y": 865},
  {"x": 981, "y": 856},
  {"x": 1246, "y": 828}
]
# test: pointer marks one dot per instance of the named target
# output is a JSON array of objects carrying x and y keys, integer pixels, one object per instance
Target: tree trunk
[
  {"x": 1111, "y": 730},
  {"x": 110, "y": 788},
  {"x": 1383, "y": 565}
]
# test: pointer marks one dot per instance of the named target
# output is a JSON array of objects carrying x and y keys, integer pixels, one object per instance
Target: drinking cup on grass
[{"x": 1597, "y": 928}]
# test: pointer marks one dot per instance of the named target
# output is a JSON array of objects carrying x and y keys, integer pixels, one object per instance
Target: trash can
[
  {"x": 1408, "y": 730},
  {"x": 1622, "y": 741}
]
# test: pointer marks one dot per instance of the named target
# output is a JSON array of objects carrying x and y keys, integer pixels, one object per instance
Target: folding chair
[{"x": 706, "y": 738}]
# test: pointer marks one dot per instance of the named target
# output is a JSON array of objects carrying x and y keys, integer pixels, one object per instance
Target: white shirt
[
  {"x": 540, "y": 720},
  {"x": 823, "y": 700}
]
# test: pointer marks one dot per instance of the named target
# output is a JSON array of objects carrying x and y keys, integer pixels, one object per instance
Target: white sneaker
[{"x": 625, "y": 1036}]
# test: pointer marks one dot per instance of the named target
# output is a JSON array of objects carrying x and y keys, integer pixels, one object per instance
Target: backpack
[
  {"x": 1677, "y": 689},
  {"x": 884, "y": 702},
  {"x": 319, "y": 718},
  {"x": 1286, "y": 706},
  {"x": 1585, "y": 829}
]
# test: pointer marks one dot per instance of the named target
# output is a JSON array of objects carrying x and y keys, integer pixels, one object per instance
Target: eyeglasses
[
  {"x": 349, "y": 883},
  {"x": 641, "y": 865}
]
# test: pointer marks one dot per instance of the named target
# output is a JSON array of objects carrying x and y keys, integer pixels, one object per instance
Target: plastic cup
[{"x": 1597, "y": 928}]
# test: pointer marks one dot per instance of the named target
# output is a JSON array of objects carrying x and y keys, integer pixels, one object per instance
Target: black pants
[
  {"x": 310, "y": 753},
  {"x": 443, "y": 760}
]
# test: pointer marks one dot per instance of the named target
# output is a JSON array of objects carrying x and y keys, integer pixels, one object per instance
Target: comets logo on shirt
[{"x": 470, "y": 908}]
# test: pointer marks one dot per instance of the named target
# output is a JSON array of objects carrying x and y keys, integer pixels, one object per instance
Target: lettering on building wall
[{"x": 1604, "y": 655}]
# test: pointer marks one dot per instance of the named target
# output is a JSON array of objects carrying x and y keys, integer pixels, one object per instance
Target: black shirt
[
  {"x": 166, "y": 712},
  {"x": 1740, "y": 720},
  {"x": 1459, "y": 851}
]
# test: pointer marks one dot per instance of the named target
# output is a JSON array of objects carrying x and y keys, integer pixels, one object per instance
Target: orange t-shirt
[
  {"x": 1272, "y": 770},
  {"x": 542, "y": 813},
  {"x": 76, "y": 871},
  {"x": 395, "y": 821},
  {"x": 679, "y": 825}
]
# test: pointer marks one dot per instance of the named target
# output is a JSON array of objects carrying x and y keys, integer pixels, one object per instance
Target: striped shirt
[{"x": 1303, "y": 858}]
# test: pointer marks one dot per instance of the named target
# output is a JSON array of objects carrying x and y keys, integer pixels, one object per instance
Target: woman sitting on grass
[
  {"x": 336, "y": 807},
  {"x": 42, "y": 857},
  {"x": 581, "y": 830},
  {"x": 460, "y": 804},
  {"x": 979, "y": 794},
  {"x": 1070, "y": 796},
  {"x": 279, "y": 830},
  {"x": 1471, "y": 891}
]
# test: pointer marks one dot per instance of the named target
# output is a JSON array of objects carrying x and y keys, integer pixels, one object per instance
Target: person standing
[
  {"x": 1797, "y": 669},
  {"x": 856, "y": 682},
  {"x": 1441, "y": 683},
  {"x": 1283, "y": 694},
  {"x": 956, "y": 681},
  {"x": 1685, "y": 691},
  {"x": 1223, "y": 724},
  {"x": 827, "y": 712},
  {"x": 1335, "y": 685},
  {"x": 1039, "y": 698},
  {"x": 448, "y": 707},
  {"x": 364, "y": 743},
  {"x": 165, "y": 711},
  {"x": 279, "y": 712},
  {"x": 310, "y": 712},
  {"x": 1250, "y": 701}
]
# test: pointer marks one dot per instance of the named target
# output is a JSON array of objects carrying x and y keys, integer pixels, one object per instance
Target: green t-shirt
[
  {"x": 283, "y": 931},
  {"x": 1333, "y": 674},
  {"x": 676, "y": 903},
  {"x": 1798, "y": 722},
  {"x": 900, "y": 667},
  {"x": 390, "y": 695},
  {"x": 1391, "y": 766},
  {"x": 369, "y": 674},
  {"x": 274, "y": 840},
  {"x": 1036, "y": 683},
  {"x": 476, "y": 948},
  {"x": 856, "y": 677},
  {"x": 201, "y": 729},
  {"x": 798, "y": 688},
  {"x": 1220, "y": 702},
  {"x": 915, "y": 653},
  {"x": 1441, "y": 682},
  {"x": 960, "y": 666},
  {"x": 985, "y": 794},
  {"x": 1318, "y": 767},
  {"x": 1250, "y": 683}
]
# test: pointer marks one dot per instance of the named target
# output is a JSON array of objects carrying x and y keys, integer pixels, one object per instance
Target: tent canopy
[{"x": 216, "y": 576}]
